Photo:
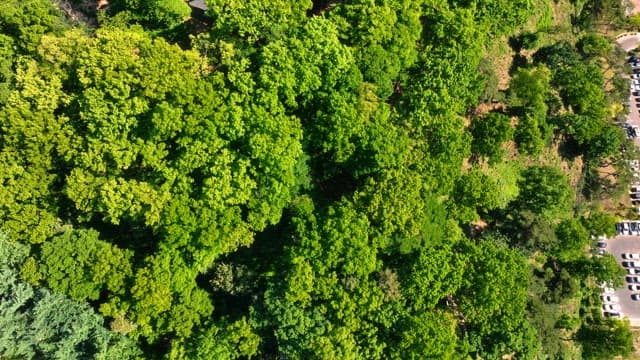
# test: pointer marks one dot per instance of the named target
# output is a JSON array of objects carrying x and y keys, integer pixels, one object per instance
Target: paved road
[
  {"x": 635, "y": 7},
  {"x": 629, "y": 42}
]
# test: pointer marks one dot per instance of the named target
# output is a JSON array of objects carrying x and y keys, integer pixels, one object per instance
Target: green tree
[
  {"x": 329, "y": 305},
  {"x": 27, "y": 21},
  {"x": 430, "y": 335},
  {"x": 600, "y": 223},
  {"x": 153, "y": 13},
  {"x": 606, "y": 340},
  {"x": 529, "y": 87},
  {"x": 489, "y": 133},
  {"x": 256, "y": 19},
  {"x": 607, "y": 269},
  {"x": 581, "y": 86},
  {"x": 573, "y": 238},
  {"x": 594, "y": 45},
  {"x": 223, "y": 340},
  {"x": 493, "y": 299},
  {"x": 474, "y": 194},
  {"x": 528, "y": 135},
  {"x": 384, "y": 36},
  {"x": 37, "y": 323},
  {"x": 80, "y": 265},
  {"x": 545, "y": 191}
]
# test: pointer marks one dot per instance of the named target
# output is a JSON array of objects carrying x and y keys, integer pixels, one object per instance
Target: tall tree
[{"x": 37, "y": 323}]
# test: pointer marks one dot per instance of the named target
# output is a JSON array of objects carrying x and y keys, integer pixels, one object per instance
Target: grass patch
[{"x": 545, "y": 22}]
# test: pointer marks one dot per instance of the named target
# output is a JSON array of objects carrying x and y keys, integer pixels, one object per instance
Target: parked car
[
  {"x": 631, "y": 264},
  {"x": 602, "y": 244},
  {"x": 613, "y": 314},
  {"x": 610, "y": 298},
  {"x": 635, "y": 297},
  {"x": 630, "y": 256},
  {"x": 633, "y": 271},
  {"x": 633, "y": 279},
  {"x": 634, "y": 287},
  {"x": 625, "y": 229},
  {"x": 611, "y": 307}
]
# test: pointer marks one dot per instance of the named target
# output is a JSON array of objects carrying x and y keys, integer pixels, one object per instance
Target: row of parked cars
[
  {"x": 633, "y": 131},
  {"x": 632, "y": 264},
  {"x": 634, "y": 192},
  {"x": 630, "y": 261},
  {"x": 635, "y": 78},
  {"x": 610, "y": 303},
  {"x": 626, "y": 228}
]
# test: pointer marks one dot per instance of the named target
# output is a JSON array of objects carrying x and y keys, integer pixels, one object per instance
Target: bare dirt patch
[{"x": 80, "y": 12}]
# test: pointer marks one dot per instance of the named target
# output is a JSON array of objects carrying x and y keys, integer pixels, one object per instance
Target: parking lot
[
  {"x": 625, "y": 247},
  {"x": 626, "y": 244}
]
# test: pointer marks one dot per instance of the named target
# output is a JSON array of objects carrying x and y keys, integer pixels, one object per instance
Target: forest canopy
[{"x": 296, "y": 179}]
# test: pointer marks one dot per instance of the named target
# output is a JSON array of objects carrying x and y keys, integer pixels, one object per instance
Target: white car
[
  {"x": 625, "y": 227},
  {"x": 631, "y": 264},
  {"x": 610, "y": 298},
  {"x": 635, "y": 297},
  {"x": 634, "y": 287},
  {"x": 608, "y": 290},
  {"x": 633, "y": 271},
  {"x": 611, "y": 307},
  {"x": 630, "y": 256}
]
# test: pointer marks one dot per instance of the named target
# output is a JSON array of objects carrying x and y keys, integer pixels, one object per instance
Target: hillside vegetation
[{"x": 358, "y": 179}]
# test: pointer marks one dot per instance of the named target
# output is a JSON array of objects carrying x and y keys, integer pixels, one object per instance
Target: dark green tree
[
  {"x": 600, "y": 223},
  {"x": 493, "y": 300},
  {"x": 489, "y": 133},
  {"x": 606, "y": 340},
  {"x": 594, "y": 45},
  {"x": 573, "y": 238}
]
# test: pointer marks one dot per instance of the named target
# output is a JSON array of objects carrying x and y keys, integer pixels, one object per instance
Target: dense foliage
[{"x": 293, "y": 179}]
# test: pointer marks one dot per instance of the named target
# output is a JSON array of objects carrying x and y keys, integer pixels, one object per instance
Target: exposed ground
[{"x": 80, "y": 12}]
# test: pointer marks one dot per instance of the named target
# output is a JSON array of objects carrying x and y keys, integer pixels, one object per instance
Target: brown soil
[{"x": 79, "y": 12}]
